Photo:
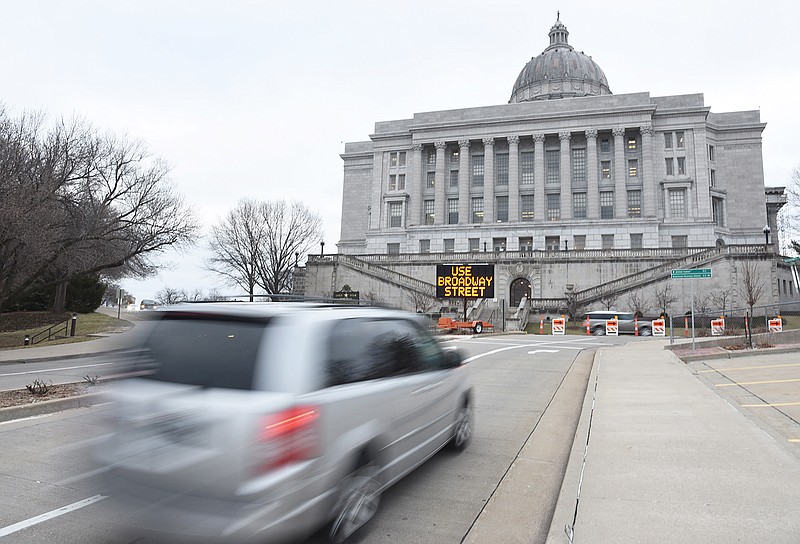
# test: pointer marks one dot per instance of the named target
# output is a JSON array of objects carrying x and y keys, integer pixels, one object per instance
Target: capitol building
[{"x": 575, "y": 195}]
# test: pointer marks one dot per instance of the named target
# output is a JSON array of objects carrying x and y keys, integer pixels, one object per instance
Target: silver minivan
[
  {"x": 626, "y": 323},
  {"x": 267, "y": 422}
]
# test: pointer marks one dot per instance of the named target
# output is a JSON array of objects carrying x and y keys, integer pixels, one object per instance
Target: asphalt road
[
  {"x": 18, "y": 375},
  {"x": 52, "y": 489}
]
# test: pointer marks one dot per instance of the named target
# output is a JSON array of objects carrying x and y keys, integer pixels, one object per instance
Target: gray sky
[{"x": 256, "y": 98}]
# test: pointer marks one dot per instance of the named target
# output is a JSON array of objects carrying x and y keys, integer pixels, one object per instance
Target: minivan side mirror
[{"x": 453, "y": 358}]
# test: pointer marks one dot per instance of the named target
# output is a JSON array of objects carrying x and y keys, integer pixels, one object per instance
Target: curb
[
  {"x": 732, "y": 354},
  {"x": 47, "y": 358},
  {"x": 49, "y": 406}
]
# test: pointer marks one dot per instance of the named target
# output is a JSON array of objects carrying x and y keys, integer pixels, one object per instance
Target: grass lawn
[{"x": 14, "y": 326}]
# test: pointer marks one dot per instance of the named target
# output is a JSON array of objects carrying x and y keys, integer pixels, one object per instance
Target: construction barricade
[
  {"x": 776, "y": 325},
  {"x": 558, "y": 325},
  {"x": 718, "y": 327},
  {"x": 659, "y": 327},
  {"x": 612, "y": 327}
]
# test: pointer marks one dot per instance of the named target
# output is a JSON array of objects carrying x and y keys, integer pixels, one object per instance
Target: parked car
[
  {"x": 272, "y": 420},
  {"x": 626, "y": 324}
]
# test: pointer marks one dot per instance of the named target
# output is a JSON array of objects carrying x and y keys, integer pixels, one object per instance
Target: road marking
[
  {"x": 83, "y": 476},
  {"x": 493, "y": 352},
  {"x": 756, "y": 383},
  {"x": 24, "y": 419},
  {"x": 746, "y": 368},
  {"x": 55, "y": 369},
  {"x": 50, "y": 515},
  {"x": 542, "y": 351},
  {"x": 795, "y": 440},
  {"x": 770, "y": 405}
]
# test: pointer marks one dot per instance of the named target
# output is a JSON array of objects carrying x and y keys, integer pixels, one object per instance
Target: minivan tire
[
  {"x": 359, "y": 498},
  {"x": 463, "y": 428},
  {"x": 599, "y": 331}
]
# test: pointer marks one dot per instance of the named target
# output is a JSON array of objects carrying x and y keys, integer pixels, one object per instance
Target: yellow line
[
  {"x": 768, "y": 405},
  {"x": 796, "y": 440},
  {"x": 746, "y": 368},
  {"x": 755, "y": 383}
]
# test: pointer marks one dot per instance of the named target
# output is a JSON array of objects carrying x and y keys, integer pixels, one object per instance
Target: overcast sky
[{"x": 256, "y": 98}]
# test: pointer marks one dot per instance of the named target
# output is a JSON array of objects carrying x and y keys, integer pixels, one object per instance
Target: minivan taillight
[{"x": 289, "y": 436}]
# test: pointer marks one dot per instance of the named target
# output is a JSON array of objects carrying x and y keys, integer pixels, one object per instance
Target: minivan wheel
[
  {"x": 645, "y": 331},
  {"x": 478, "y": 328},
  {"x": 599, "y": 331},
  {"x": 359, "y": 498},
  {"x": 465, "y": 422}
]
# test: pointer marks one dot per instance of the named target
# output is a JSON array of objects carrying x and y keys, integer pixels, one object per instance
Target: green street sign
[{"x": 680, "y": 274}]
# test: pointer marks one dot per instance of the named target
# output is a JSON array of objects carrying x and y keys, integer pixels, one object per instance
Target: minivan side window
[{"x": 367, "y": 349}]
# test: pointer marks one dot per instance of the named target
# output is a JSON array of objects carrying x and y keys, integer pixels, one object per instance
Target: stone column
[
  {"x": 513, "y": 178},
  {"x": 538, "y": 178},
  {"x": 440, "y": 204},
  {"x": 647, "y": 171},
  {"x": 620, "y": 171},
  {"x": 463, "y": 181},
  {"x": 488, "y": 182},
  {"x": 592, "y": 187},
  {"x": 566, "y": 176},
  {"x": 415, "y": 184}
]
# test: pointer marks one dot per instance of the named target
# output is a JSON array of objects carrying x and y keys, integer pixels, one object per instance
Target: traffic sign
[{"x": 682, "y": 274}]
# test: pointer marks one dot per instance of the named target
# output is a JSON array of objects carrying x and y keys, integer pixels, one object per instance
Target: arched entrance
[{"x": 520, "y": 287}]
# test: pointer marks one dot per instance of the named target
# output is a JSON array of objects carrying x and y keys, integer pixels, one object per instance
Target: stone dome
[{"x": 559, "y": 72}]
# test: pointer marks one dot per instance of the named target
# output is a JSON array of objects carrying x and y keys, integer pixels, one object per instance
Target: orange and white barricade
[
  {"x": 612, "y": 327},
  {"x": 776, "y": 325},
  {"x": 659, "y": 327},
  {"x": 541, "y": 325},
  {"x": 558, "y": 325},
  {"x": 718, "y": 327},
  {"x": 586, "y": 324}
]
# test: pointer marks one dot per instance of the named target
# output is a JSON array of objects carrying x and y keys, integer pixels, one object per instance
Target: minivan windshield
[{"x": 204, "y": 350}]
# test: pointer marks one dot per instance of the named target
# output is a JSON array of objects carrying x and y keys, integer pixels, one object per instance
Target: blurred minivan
[
  {"x": 148, "y": 304},
  {"x": 626, "y": 322},
  {"x": 270, "y": 421}
]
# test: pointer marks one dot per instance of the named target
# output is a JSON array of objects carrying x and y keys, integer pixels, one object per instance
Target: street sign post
[{"x": 691, "y": 274}]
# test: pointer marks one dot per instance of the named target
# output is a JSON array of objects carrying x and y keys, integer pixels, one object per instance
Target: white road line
[
  {"x": 55, "y": 369},
  {"x": 5, "y": 531},
  {"x": 493, "y": 352},
  {"x": 83, "y": 476},
  {"x": 542, "y": 351},
  {"x": 24, "y": 419}
]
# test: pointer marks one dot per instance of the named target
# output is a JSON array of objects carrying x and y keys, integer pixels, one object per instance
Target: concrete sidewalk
[{"x": 660, "y": 457}]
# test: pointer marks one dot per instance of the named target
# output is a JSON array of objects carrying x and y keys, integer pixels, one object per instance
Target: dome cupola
[{"x": 559, "y": 72}]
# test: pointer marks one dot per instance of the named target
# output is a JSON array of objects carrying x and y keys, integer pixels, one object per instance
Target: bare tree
[
  {"x": 421, "y": 302},
  {"x": 720, "y": 299},
  {"x": 664, "y": 297},
  {"x": 789, "y": 214},
  {"x": 638, "y": 303},
  {"x": 75, "y": 201},
  {"x": 236, "y": 245},
  {"x": 751, "y": 287},
  {"x": 609, "y": 300},
  {"x": 255, "y": 245},
  {"x": 169, "y": 295}
]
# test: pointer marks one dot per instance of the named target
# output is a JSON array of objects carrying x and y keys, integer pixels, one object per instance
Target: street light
[
  {"x": 766, "y": 232},
  {"x": 321, "y": 248}
]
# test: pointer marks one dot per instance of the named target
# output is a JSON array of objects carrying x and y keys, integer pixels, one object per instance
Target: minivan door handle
[{"x": 427, "y": 388}]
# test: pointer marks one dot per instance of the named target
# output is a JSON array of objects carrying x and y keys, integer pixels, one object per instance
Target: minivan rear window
[{"x": 203, "y": 350}]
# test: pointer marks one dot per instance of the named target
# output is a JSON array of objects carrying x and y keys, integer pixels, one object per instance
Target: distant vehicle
[
  {"x": 268, "y": 421},
  {"x": 148, "y": 305},
  {"x": 596, "y": 321}
]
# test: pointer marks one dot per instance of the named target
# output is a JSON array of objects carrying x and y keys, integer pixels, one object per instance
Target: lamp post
[
  {"x": 566, "y": 245},
  {"x": 766, "y": 232},
  {"x": 296, "y": 258},
  {"x": 321, "y": 248}
]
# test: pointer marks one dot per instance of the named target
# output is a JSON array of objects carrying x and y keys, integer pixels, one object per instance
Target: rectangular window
[
  {"x": 680, "y": 242},
  {"x": 680, "y": 140},
  {"x": 553, "y": 207},
  {"x": 711, "y": 153},
  {"x": 502, "y": 209},
  {"x": 454, "y": 156},
  {"x": 579, "y": 242},
  {"x": 606, "y": 205},
  {"x": 631, "y": 143},
  {"x": 608, "y": 241},
  {"x": 477, "y": 170},
  {"x": 718, "y": 211},
  {"x": 527, "y": 203},
  {"x": 431, "y": 157},
  {"x": 498, "y": 244},
  {"x": 552, "y": 166},
  {"x": 667, "y": 140},
  {"x": 395, "y": 214},
  {"x": 393, "y": 159},
  {"x": 670, "y": 164},
  {"x": 578, "y": 167},
  {"x": 633, "y": 168},
  {"x": 393, "y": 249},
  {"x": 474, "y": 245},
  {"x": 713, "y": 177},
  {"x": 552, "y": 243},
  {"x": 401, "y": 182},
  {"x": 579, "y": 205},
  {"x": 428, "y": 206},
  {"x": 424, "y": 246},
  {"x": 477, "y": 209},
  {"x": 449, "y": 245},
  {"x": 605, "y": 169},
  {"x": 526, "y": 167},
  {"x": 392, "y": 182},
  {"x": 634, "y": 203},
  {"x": 636, "y": 241},
  {"x": 452, "y": 211},
  {"x": 526, "y": 243},
  {"x": 681, "y": 166},
  {"x": 605, "y": 145},
  {"x": 430, "y": 180},
  {"x": 453, "y": 178},
  {"x": 401, "y": 158},
  {"x": 501, "y": 165},
  {"x": 677, "y": 203}
]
